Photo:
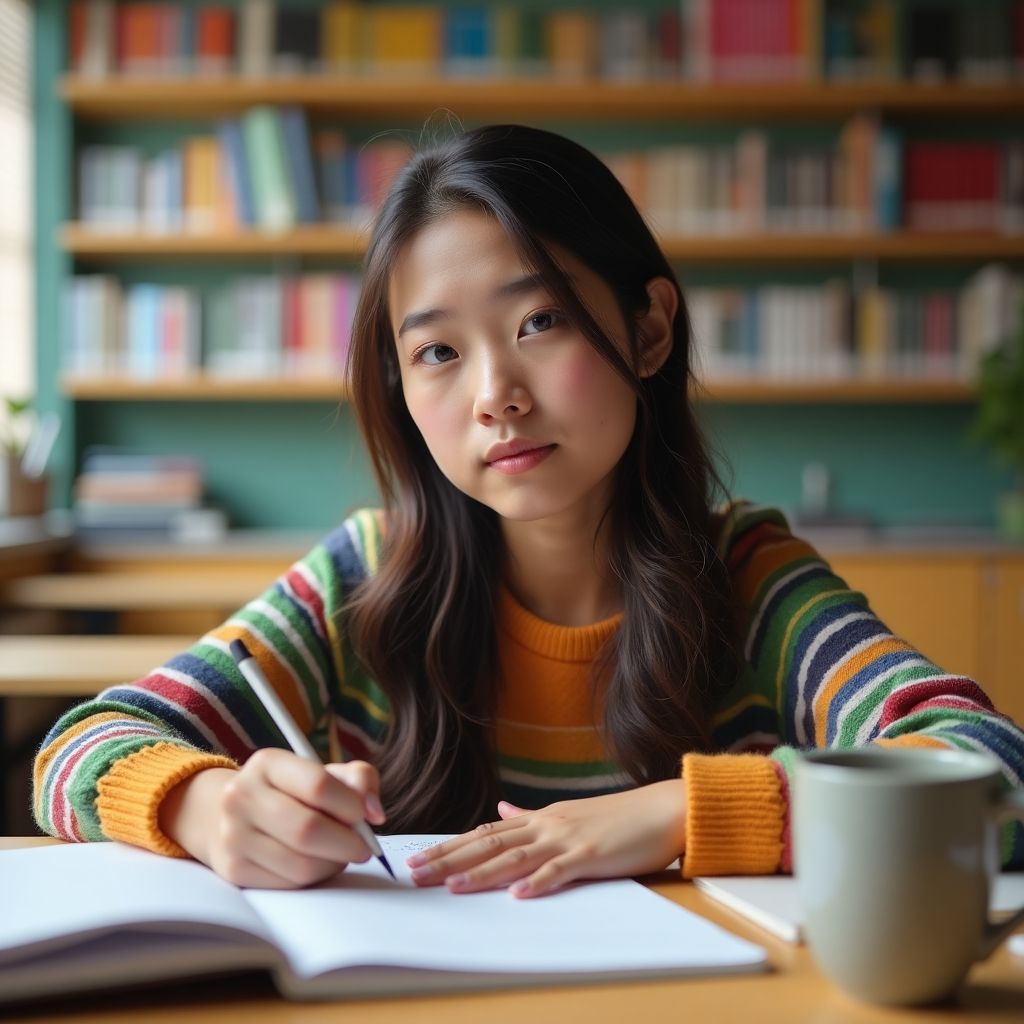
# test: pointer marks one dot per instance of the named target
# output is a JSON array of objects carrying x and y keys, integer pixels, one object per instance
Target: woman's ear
[{"x": 654, "y": 328}]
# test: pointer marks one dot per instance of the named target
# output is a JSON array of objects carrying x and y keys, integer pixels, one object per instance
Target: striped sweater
[{"x": 819, "y": 669}]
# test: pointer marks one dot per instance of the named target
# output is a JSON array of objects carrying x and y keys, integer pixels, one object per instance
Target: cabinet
[
  {"x": 963, "y": 611},
  {"x": 1005, "y": 582},
  {"x": 266, "y": 418}
]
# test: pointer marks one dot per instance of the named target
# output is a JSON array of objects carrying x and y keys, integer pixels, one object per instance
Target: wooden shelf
[
  {"x": 323, "y": 240},
  {"x": 203, "y": 388},
  {"x": 309, "y": 240},
  {"x": 739, "y": 391},
  {"x": 847, "y": 391},
  {"x": 395, "y": 95}
]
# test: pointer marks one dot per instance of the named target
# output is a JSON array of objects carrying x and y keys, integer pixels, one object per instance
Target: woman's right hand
[{"x": 278, "y": 822}]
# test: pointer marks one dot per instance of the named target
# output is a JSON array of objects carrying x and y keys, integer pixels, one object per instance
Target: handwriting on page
[{"x": 405, "y": 846}]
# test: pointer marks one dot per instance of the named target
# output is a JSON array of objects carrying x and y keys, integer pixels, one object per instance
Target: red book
[
  {"x": 292, "y": 317},
  {"x": 140, "y": 39},
  {"x": 215, "y": 37},
  {"x": 1018, "y": 31},
  {"x": 76, "y": 34},
  {"x": 753, "y": 39},
  {"x": 952, "y": 186},
  {"x": 670, "y": 40}
]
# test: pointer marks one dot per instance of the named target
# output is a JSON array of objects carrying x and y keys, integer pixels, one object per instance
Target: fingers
[
  {"x": 266, "y": 863},
  {"x": 551, "y": 875},
  {"x": 507, "y": 810},
  {"x": 365, "y": 780},
  {"x": 474, "y": 856},
  {"x": 308, "y": 782},
  {"x": 300, "y": 827},
  {"x": 286, "y": 822}
]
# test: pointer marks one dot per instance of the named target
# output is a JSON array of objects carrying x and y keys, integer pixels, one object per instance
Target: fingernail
[
  {"x": 374, "y": 806},
  {"x": 457, "y": 881},
  {"x": 425, "y": 872},
  {"x": 520, "y": 887}
]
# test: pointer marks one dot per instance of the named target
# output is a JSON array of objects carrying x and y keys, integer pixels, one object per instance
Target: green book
[{"x": 272, "y": 189}]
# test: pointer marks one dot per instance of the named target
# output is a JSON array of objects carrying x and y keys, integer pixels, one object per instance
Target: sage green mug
[{"x": 895, "y": 854}]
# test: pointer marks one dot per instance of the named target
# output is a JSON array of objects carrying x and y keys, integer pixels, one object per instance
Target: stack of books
[{"x": 123, "y": 492}]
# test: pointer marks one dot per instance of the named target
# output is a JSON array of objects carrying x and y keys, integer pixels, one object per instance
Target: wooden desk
[
  {"x": 28, "y": 545},
  {"x": 79, "y": 666},
  {"x": 792, "y": 993},
  {"x": 86, "y": 591}
]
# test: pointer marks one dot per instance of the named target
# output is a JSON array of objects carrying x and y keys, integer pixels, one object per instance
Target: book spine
[
  {"x": 300, "y": 163},
  {"x": 232, "y": 146},
  {"x": 264, "y": 148}
]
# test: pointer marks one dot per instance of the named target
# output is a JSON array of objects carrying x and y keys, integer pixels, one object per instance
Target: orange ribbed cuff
[
  {"x": 735, "y": 813},
  {"x": 131, "y": 792}
]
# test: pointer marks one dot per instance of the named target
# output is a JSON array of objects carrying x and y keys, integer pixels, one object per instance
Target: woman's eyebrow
[{"x": 524, "y": 285}]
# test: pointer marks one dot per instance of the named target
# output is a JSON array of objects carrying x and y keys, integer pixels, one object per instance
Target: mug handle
[{"x": 1007, "y": 805}]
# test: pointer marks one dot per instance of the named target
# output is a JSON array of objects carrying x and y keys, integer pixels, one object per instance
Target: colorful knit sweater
[{"x": 819, "y": 669}]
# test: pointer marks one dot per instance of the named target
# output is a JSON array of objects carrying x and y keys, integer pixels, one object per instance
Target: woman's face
[{"x": 517, "y": 408}]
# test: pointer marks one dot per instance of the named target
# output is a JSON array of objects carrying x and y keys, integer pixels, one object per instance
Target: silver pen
[{"x": 250, "y": 669}]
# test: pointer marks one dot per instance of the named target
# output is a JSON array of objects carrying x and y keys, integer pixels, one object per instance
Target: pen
[{"x": 250, "y": 669}]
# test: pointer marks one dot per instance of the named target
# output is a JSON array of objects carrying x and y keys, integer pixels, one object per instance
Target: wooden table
[
  {"x": 791, "y": 993},
  {"x": 79, "y": 666}
]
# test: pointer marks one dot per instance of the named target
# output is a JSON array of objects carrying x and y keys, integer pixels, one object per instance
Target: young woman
[{"x": 548, "y": 639}]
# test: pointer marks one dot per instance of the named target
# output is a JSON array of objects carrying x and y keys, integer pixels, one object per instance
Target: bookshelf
[
  {"x": 204, "y": 388},
  {"x": 545, "y": 97},
  {"x": 329, "y": 240},
  {"x": 916, "y": 414}
]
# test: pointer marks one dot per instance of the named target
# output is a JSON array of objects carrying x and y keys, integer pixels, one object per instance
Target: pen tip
[{"x": 387, "y": 866}]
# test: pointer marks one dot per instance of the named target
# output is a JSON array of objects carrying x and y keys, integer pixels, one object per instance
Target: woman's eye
[
  {"x": 540, "y": 322},
  {"x": 434, "y": 355}
]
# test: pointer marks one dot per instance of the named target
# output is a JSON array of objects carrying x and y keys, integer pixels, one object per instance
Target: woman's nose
[{"x": 500, "y": 396}]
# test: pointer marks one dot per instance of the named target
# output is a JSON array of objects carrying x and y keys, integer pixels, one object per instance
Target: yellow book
[
  {"x": 405, "y": 39},
  {"x": 810, "y": 39},
  {"x": 507, "y": 38},
  {"x": 341, "y": 36},
  {"x": 316, "y": 293},
  {"x": 872, "y": 341},
  {"x": 200, "y": 171},
  {"x": 572, "y": 43}
]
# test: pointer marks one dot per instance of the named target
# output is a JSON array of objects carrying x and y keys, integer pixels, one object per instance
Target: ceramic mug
[{"x": 895, "y": 854}]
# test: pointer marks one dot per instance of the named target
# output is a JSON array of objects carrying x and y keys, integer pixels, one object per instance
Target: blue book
[
  {"x": 185, "y": 55},
  {"x": 749, "y": 341},
  {"x": 232, "y": 145},
  {"x": 300, "y": 163},
  {"x": 145, "y": 302},
  {"x": 468, "y": 38},
  {"x": 886, "y": 178},
  {"x": 331, "y": 153}
]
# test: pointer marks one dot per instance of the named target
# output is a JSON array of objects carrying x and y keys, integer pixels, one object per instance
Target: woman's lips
[{"x": 522, "y": 461}]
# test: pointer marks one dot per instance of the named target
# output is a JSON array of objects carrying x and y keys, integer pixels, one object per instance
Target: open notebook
[
  {"x": 97, "y": 915},
  {"x": 772, "y": 902}
]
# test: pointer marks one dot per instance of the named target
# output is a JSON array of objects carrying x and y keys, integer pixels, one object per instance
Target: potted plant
[
  {"x": 1000, "y": 422},
  {"x": 22, "y": 487}
]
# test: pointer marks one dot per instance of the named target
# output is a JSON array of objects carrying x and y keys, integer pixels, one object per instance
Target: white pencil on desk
[{"x": 297, "y": 740}]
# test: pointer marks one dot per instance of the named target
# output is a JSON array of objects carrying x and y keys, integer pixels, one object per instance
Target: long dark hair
[{"x": 423, "y": 625}]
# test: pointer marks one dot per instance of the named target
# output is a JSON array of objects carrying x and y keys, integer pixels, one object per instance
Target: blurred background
[{"x": 186, "y": 185}]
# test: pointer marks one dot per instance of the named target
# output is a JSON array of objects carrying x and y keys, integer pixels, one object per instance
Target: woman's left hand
[{"x": 614, "y": 836}]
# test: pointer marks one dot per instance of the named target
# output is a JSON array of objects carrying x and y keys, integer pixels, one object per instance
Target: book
[
  {"x": 773, "y": 901},
  {"x": 100, "y": 915}
]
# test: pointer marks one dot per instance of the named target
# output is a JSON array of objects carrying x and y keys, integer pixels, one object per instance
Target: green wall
[{"x": 279, "y": 464}]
